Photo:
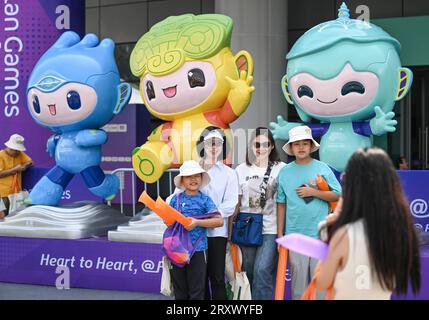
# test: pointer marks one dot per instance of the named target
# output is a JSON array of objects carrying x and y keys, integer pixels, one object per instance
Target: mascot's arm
[
  {"x": 90, "y": 138},
  {"x": 380, "y": 124},
  {"x": 280, "y": 129},
  {"x": 238, "y": 98},
  {"x": 161, "y": 132},
  {"x": 51, "y": 145}
]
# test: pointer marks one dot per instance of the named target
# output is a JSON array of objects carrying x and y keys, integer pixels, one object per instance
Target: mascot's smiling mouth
[
  {"x": 327, "y": 102},
  {"x": 170, "y": 92},
  {"x": 52, "y": 109}
]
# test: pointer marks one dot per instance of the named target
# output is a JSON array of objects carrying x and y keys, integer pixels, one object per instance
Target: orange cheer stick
[
  {"x": 172, "y": 213},
  {"x": 310, "y": 292},
  {"x": 281, "y": 274},
  {"x": 323, "y": 185},
  {"x": 151, "y": 204},
  {"x": 235, "y": 259},
  {"x": 147, "y": 201}
]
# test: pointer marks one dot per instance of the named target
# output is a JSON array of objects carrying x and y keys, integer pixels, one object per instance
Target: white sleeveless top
[{"x": 356, "y": 281}]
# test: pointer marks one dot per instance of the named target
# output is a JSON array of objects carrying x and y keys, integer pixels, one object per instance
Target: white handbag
[
  {"x": 229, "y": 266},
  {"x": 240, "y": 285},
  {"x": 166, "y": 283},
  {"x": 16, "y": 199}
]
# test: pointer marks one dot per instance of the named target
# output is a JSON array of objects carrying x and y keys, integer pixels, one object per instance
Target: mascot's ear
[
  {"x": 124, "y": 95},
  {"x": 244, "y": 61},
  {"x": 404, "y": 83},
  {"x": 285, "y": 89}
]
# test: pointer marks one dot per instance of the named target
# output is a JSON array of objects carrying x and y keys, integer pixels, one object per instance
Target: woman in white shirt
[
  {"x": 257, "y": 193},
  {"x": 223, "y": 190},
  {"x": 373, "y": 246}
]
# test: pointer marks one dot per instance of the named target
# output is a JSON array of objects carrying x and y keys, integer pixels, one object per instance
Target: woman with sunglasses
[
  {"x": 213, "y": 148},
  {"x": 223, "y": 189},
  {"x": 257, "y": 193}
]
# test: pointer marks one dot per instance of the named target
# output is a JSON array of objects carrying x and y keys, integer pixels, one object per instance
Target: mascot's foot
[
  {"x": 45, "y": 192},
  {"x": 151, "y": 160},
  {"x": 108, "y": 189}
]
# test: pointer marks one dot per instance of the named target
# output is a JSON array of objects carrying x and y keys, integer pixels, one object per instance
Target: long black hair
[
  {"x": 261, "y": 131},
  {"x": 372, "y": 192}
]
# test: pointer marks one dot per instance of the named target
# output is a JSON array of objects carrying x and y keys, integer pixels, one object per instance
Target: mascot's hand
[
  {"x": 382, "y": 122},
  {"x": 280, "y": 129},
  {"x": 241, "y": 88},
  {"x": 51, "y": 145}
]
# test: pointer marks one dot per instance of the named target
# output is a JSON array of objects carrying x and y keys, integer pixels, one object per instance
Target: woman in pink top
[{"x": 373, "y": 247}]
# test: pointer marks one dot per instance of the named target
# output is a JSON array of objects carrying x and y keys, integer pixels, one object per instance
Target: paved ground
[{"x": 12, "y": 291}]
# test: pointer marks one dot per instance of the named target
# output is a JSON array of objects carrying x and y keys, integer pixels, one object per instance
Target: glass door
[{"x": 411, "y": 139}]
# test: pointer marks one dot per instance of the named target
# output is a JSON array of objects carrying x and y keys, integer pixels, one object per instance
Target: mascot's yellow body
[{"x": 191, "y": 79}]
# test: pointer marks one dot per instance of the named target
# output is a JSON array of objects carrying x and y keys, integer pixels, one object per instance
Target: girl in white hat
[{"x": 189, "y": 282}]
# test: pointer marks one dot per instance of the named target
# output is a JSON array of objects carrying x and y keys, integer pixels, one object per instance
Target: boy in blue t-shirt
[
  {"x": 300, "y": 205},
  {"x": 189, "y": 281}
]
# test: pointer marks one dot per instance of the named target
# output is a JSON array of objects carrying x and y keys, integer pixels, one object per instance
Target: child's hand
[
  {"x": 306, "y": 191},
  {"x": 192, "y": 225},
  {"x": 331, "y": 218}
]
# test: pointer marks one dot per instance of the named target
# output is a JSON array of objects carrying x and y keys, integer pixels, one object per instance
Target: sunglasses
[
  {"x": 213, "y": 143},
  {"x": 259, "y": 145}
]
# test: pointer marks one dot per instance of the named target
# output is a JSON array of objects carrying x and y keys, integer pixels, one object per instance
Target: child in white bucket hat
[
  {"x": 300, "y": 205},
  {"x": 298, "y": 134},
  {"x": 190, "y": 168},
  {"x": 189, "y": 281}
]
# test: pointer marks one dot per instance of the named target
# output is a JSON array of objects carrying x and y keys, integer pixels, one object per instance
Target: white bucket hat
[
  {"x": 189, "y": 168},
  {"x": 15, "y": 142},
  {"x": 297, "y": 134}
]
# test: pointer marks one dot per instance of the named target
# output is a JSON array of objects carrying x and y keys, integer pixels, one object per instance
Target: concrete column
[{"x": 260, "y": 27}]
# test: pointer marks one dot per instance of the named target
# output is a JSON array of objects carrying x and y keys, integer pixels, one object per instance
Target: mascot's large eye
[
  {"x": 353, "y": 86},
  {"x": 150, "y": 91},
  {"x": 305, "y": 91},
  {"x": 73, "y": 99},
  {"x": 36, "y": 104},
  {"x": 196, "y": 78}
]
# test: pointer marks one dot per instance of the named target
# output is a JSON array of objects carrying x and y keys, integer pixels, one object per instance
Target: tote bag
[{"x": 16, "y": 199}]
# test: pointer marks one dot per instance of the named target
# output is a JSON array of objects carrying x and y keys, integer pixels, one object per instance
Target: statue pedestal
[
  {"x": 77, "y": 221},
  {"x": 93, "y": 263},
  {"x": 145, "y": 227}
]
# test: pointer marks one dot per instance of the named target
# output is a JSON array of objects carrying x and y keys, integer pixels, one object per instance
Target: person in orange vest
[{"x": 13, "y": 161}]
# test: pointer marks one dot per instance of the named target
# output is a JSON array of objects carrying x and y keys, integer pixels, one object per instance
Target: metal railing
[{"x": 120, "y": 172}]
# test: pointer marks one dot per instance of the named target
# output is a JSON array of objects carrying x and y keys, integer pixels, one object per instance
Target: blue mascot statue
[
  {"x": 346, "y": 73},
  {"x": 74, "y": 90}
]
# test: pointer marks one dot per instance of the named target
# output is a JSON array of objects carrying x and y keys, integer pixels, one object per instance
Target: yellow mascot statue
[{"x": 190, "y": 78}]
